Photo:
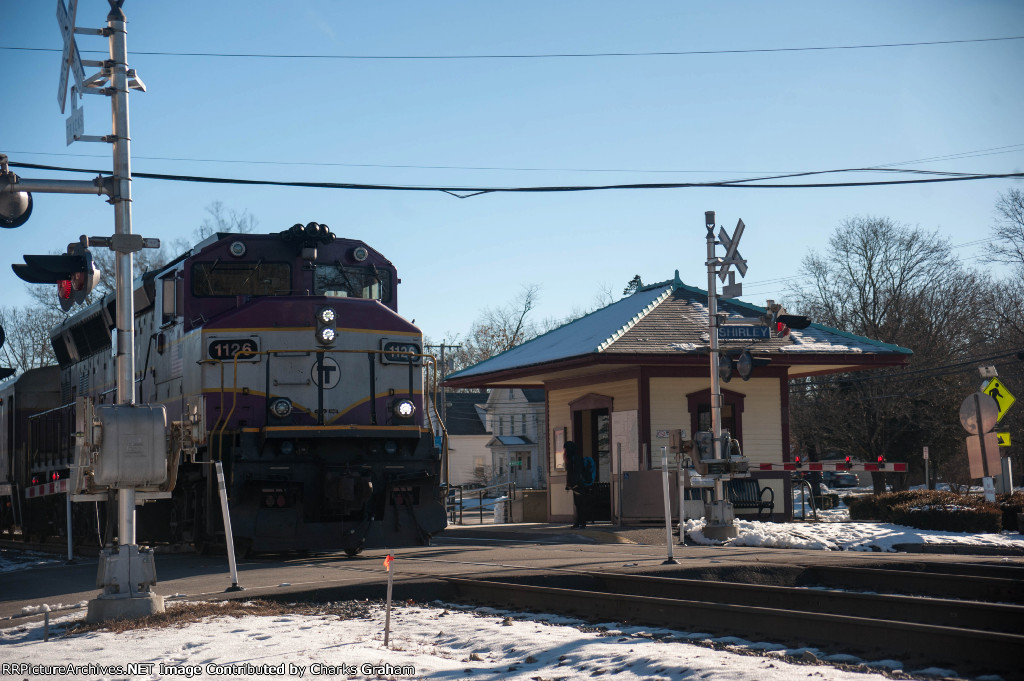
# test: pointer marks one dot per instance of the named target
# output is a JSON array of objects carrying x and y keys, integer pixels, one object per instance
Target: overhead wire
[
  {"x": 546, "y": 55},
  {"x": 464, "y": 192}
]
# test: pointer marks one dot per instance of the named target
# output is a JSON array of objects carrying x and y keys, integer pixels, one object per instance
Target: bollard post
[
  {"x": 668, "y": 507},
  {"x": 229, "y": 538}
]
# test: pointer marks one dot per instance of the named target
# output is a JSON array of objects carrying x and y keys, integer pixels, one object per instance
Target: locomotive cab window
[
  {"x": 352, "y": 282},
  {"x": 221, "y": 278}
]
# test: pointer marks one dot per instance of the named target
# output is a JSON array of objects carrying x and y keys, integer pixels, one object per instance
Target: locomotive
[{"x": 280, "y": 355}]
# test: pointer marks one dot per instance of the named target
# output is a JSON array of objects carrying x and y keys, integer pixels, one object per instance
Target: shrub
[
  {"x": 862, "y": 506},
  {"x": 984, "y": 517},
  {"x": 929, "y": 510},
  {"x": 1011, "y": 505}
]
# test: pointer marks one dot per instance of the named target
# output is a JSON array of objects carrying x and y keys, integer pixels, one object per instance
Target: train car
[
  {"x": 34, "y": 461},
  {"x": 282, "y": 356}
]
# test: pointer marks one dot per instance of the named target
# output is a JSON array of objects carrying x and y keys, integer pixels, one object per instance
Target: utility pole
[{"x": 444, "y": 374}]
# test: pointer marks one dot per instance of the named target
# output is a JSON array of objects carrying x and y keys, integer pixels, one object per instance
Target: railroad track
[{"x": 971, "y": 636}]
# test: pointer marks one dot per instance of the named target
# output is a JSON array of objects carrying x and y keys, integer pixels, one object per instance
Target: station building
[{"x": 619, "y": 379}]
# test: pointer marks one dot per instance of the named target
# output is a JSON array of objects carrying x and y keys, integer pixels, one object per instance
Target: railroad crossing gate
[{"x": 1003, "y": 397}]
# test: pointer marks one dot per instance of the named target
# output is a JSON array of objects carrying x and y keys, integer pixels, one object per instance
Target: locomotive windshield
[
  {"x": 352, "y": 282},
  {"x": 241, "y": 278}
]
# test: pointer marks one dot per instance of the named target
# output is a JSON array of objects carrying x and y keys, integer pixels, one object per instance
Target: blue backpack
[{"x": 589, "y": 474}]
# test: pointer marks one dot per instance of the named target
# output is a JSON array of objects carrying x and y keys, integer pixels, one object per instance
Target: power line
[
  {"x": 468, "y": 192},
  {"x": 881, "y": 167},
  {"x": 550, "y": 55}
]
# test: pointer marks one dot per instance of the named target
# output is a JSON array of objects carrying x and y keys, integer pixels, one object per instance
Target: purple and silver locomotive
[{"x": 283, "y": 357}]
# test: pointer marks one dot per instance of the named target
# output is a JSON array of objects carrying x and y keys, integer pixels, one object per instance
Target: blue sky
[{"x": 572, "y": 121}]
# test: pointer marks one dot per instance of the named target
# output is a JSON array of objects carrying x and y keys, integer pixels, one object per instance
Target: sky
[{"x": 568, "y": 121}]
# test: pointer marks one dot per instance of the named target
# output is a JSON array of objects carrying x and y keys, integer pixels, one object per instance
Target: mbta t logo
[{"x": 325, "y": 373}]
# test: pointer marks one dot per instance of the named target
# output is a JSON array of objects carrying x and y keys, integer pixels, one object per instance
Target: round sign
[
  {"x": 978, "y": 407},
  {"x": 328, "y": 374}
]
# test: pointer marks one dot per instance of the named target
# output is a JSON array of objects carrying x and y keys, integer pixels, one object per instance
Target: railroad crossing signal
[
  {"x": 75, "y": 273},
  {"x": 71, "y": 60},
  {"x": 1003, "y": 397}
]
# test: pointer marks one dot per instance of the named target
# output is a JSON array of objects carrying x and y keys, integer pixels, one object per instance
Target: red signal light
[
  {"x": 799, "y": 463},
  {"x": 64, "y": 289},
  {"x": 848, "y": 461}
]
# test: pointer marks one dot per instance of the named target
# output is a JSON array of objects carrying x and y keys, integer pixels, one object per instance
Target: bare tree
[
  {"x": 1008, "y": 231},
  {"x": 28, "y": 336},
  {"x": 899, "y": 285},
  {"x": 221, "y": 219},
  {"x": 500, "y": 328}
]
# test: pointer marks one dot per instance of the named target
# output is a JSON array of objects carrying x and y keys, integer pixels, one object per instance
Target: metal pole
[
  {"x": 228, "y": 536},
  {"x": 670, "y": 560},
  {"x": 618, "y": 485},
  {"x": 71, "y": 557},
  {"x": 716, "y": 391},
  {"x": 122, "y": 200},
  {"x": 681, "y": 484}
]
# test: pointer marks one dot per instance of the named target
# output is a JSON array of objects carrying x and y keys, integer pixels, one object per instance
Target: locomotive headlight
[
  {"x": 404, "y": 409},
  {"x": 281, "y": 407},
  {"x": 391, "y": 447},
  {"x": 327, "y": 315},
  {"x": 326, "y": 321}
]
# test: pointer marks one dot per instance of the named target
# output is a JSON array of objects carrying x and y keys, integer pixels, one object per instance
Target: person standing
[{"x": 579, "y": 479}]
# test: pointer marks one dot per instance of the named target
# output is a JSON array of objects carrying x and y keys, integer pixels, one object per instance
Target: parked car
[{"x": 845, "y": 480}]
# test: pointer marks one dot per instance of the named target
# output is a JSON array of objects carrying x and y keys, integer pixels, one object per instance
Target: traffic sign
[
  {"x": 998, "y": 392},
  {"x": 1004, "y": 439},
  {"x": 743, "y": 332},
  {"x": 978, "y": 406},
  {"x": 70, "y": 59},
  {"x": 732, "y": 255},
  {"x": 74, "y": 126},
  {"x": 989, "y": 465}
]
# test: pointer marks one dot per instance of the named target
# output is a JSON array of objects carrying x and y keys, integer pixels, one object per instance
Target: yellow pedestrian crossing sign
[
  {"x": 1004, "y": 399},
  {"x": 1004, "y": 439}
]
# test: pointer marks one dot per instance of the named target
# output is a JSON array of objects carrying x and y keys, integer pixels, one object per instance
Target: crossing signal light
[
  {"x": 881, "y": 461},
  {"x": 847, "y": 462},
  {"x": 781, "y": 321},
  {"x": 743, "y": 365},
  {"x": 15, "y": 206},
  {"x": 799, "y": 462},
  {"x": 75, "y": 273}
]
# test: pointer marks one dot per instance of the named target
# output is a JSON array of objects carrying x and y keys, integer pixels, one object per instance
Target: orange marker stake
[{"x": 387, "y": 613}]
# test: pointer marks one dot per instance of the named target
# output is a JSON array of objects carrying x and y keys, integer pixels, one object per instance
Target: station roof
[{"x": 668, "y": 323}]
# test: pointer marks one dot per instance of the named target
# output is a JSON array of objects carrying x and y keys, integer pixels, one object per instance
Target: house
[
  {"x": 620, "y": 379},
  {"x": 469, "y": 459},
  {"x": 515, "y": 418}
]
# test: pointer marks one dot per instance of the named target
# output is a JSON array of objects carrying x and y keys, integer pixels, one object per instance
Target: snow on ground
[
  {"x": 436, "y": 642},
  {"x": 11, "y": 560}
]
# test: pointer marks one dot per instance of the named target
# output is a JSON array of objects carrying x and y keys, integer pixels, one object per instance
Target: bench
[{"x": 748, "y": 493}]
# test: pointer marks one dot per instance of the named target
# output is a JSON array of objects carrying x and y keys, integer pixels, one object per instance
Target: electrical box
[{"x": 132, "y": 444}]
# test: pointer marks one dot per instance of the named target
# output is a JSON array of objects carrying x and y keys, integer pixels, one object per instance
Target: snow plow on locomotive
[{"x": 283, "y": 357}]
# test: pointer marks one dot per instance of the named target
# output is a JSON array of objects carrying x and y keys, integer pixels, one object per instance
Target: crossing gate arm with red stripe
[
  {"x": 840, "y": 467},
  {"x": 47, "y": 488}
]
